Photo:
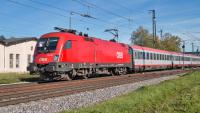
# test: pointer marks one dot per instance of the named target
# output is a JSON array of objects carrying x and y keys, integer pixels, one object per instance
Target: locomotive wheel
[
  {"x": 112, "y": 73},
  {"x": 67, "y": 77},
  {"x": 85, "y": 77}
]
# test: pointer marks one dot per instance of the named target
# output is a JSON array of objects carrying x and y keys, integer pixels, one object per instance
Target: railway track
[{"x": 21, "y": 93}]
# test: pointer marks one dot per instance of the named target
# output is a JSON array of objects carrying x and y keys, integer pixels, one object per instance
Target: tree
[
  {"x": 2, "y": 37},
  {"x": 171, "y": 42},
  {"x": 142, "y": 37}
]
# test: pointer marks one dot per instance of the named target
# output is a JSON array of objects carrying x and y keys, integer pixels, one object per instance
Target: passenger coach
[{"x": 149, "y": 59}]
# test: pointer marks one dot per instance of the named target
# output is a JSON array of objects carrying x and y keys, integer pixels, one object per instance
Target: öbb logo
[{"x": 119, "y": 55}]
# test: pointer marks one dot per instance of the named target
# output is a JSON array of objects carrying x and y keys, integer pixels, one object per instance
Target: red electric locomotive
[{"x": 65, "y": 54}]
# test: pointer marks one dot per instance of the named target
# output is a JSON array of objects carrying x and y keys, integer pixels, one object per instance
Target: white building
[{"x": 16, "y": 54}]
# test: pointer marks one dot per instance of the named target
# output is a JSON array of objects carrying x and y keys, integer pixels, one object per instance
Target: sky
[{"x": 32, "y": 18}]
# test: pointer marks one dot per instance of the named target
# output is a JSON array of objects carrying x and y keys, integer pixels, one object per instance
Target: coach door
[{"x": 130, "y": 50}]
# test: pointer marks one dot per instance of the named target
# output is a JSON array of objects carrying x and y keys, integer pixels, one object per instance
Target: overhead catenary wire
[
  {"x": 69, "y": 11},
  {"x": 103, "y": 9},
  {"x": 52, "y": 12},
  {"x": 130, "y": 21},
  {"x": 37, "y": 8}
]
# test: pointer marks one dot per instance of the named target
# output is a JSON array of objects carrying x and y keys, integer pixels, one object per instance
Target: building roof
[{"x": 12, "y": 41}]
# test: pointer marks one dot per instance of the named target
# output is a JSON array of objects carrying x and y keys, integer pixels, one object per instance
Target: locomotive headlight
[{"x": 56, "y": 57}]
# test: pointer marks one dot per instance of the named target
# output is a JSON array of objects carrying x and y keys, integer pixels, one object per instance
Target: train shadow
[
  {"x": 33, "y": 79},
  {"x": 39, "y": 81}
]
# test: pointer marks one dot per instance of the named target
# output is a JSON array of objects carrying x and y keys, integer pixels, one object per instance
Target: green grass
[
  {"x": 6, "y": 78},
  {"x": 181, "y": 95}
]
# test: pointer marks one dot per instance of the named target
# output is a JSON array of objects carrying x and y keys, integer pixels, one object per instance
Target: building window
[
  {"x": 29, "y": 59},
  {"x": 11, "y": 60},
  {"x": 17, "y": 60},
  {"x": 31, "y": 48}
]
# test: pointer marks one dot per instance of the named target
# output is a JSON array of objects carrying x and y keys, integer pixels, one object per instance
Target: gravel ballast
[{"x": 57, "y": 104}]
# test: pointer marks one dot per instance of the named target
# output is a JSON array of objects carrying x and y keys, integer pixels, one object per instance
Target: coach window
[
  {"x": 163, "y": 57},
  {"x": 144, "y": 55},
  {"x": 68, "y": 44},
  {"x": 147, "y": 56},
  {"x": 155, "y": 56},
  {"x": 136, "y": 55},
  {"x": 151, "y": 56},
  {"x": 158, "y": 58},
  {"x": 140, "y": 55}
]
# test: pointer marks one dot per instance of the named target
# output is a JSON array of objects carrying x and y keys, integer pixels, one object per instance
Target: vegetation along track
[{"x": 21, "y": 93}]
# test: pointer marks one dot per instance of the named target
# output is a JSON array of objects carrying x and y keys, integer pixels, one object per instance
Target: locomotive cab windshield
[{"x": 46, "y": 45}]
